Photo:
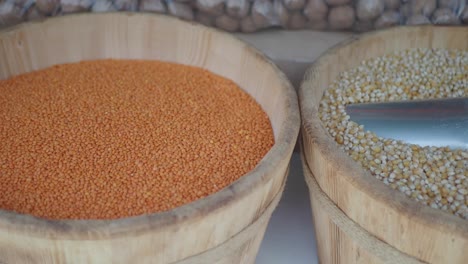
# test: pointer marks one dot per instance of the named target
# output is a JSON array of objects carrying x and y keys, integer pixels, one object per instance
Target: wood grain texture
[
  {"x": 189, "y": 230},
  {"x": 428, "y": 234},
  {"x": 340, "y": 239}
]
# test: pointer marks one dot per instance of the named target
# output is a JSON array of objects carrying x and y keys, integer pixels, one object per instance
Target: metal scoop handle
[{"x": 437, "y": 122}]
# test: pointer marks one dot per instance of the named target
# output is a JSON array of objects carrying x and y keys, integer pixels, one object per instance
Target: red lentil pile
[{"x": 108, "y": 139}]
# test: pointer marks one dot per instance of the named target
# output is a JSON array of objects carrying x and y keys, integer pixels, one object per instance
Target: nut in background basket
[{"x": 251, "y": 16}]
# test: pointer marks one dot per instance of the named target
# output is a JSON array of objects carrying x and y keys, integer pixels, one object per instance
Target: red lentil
[{"x": 107, "y": 139}]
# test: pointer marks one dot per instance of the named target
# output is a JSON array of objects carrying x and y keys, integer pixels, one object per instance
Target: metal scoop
[{"x": 437, "y": 122}]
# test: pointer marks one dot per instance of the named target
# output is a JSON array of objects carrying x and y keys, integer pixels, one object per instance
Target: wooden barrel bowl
[
  {"x": 426, "y": 234},
  {"x": 341, "y": 240},
  {"x": 225, "y": 227}
]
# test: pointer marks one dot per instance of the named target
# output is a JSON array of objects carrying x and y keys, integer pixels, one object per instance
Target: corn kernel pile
[
  {"x": 435, "y": 176},
  {"x": 116, "y": 138}
]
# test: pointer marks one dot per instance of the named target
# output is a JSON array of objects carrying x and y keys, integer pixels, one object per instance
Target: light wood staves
[
  {"x": 427, "y": 234},
  {"x": 341, "y": 239},
  {"x": 225, "y": 227}
]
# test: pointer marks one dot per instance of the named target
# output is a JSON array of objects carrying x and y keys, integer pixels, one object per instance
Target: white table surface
[
  {"x": 294, "y": 51},
  {"x": 290, "y": 237}
]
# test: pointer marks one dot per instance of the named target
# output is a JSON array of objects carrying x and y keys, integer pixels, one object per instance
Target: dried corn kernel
[{"x": 439, "y": 174}]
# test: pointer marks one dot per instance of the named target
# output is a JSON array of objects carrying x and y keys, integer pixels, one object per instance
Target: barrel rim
[
  {"x": 137, "y": 225},
  {"x": 312, "y": 129}
]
